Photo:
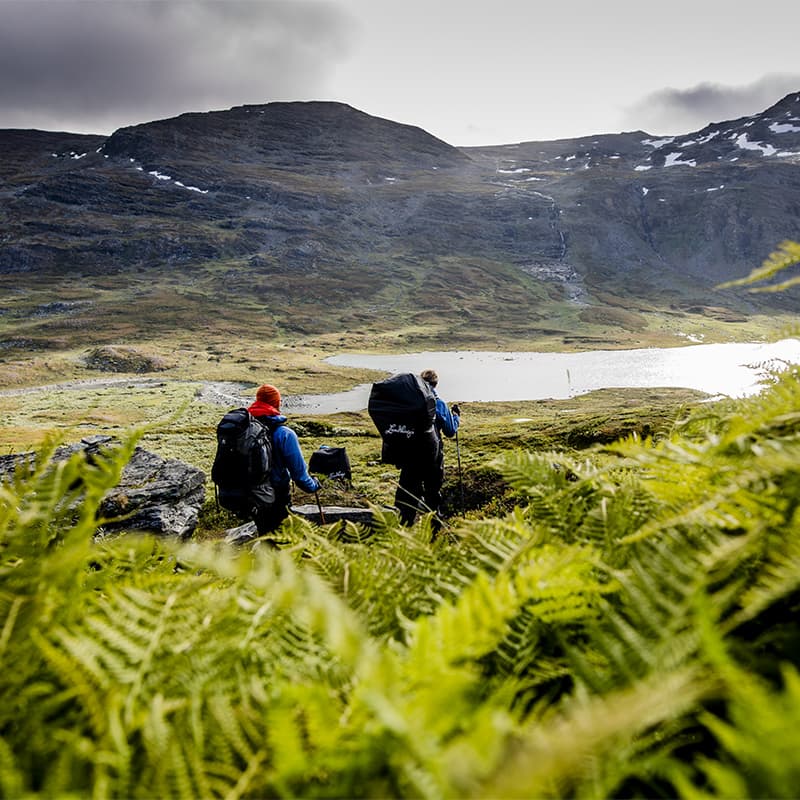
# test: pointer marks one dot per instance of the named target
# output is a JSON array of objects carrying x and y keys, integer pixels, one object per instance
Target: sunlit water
[{"x": 733, "y": 370}]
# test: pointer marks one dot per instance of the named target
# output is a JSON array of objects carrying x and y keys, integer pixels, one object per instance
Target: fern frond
[
  {"x": 767, "y": 565},
  {"x": 396, "y": 574},
  {"x": 787, "y": 254},
  {"x": 759, "y": 739},
  {"x": 11, "y": 779},
  {"x": 553, "y": 584},
  {"x": 565, "y": 756},
  {"x": 81, "y": 683}
]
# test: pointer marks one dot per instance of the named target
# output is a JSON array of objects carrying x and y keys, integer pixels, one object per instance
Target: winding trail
[{"x": 218, "y": 393}]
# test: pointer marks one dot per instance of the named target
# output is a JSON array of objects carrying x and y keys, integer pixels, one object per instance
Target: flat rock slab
[
  {"x": 247, "y": 532},
  {"x": 334, "y": 514}
]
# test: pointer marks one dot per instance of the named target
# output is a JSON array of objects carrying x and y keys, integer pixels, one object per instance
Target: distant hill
[{"x": 315, "y": 217}]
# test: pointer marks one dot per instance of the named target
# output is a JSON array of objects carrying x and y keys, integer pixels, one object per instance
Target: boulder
[{"x": 154, "y": 494}]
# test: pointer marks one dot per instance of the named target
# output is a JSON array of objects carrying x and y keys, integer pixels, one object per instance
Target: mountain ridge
[{"x": 318, "y": 204}]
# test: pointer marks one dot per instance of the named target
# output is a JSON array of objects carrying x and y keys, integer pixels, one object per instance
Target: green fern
[
  {"x": 641, "y": 602},
  {"x": 597, "y": 742},
  {"x": 787, "y": 255}
]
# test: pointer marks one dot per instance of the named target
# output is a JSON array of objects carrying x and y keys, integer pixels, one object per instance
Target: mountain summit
[
  {"x": 323, "y": 136},
  {"x": 302, "y": 204}
]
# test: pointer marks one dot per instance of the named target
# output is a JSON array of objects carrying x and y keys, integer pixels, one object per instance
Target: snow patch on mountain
[
  {"x": 743, "y": 143},
  {"x": 673, "y": 160},
  {"x": 784, "y": 127},
  {"x": 160, "y": 176},
  {"x": 656, "y": 143}
]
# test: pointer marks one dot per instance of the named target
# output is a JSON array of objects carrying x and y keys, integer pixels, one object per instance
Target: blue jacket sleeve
[
  {"x": 446, "y": 421},
  {"x": 286, "y": 439}
]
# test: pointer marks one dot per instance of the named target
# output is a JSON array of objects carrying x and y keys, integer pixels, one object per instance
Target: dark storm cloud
[
  {"x": 687, "y": 110},
  {"x": 98, "y": 64}
]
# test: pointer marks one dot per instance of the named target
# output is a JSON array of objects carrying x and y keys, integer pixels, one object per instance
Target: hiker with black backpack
[
  {"x": 411, "y": 418},
  {"x": 288, "y": 463},
  {"x": 258, "y": 456},
  {"x": 423, "y": 478}
]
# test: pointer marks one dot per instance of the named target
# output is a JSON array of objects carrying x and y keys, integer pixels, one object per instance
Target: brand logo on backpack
[
  {"x": 242, "y": 464},
  {"x": 399, "y": 430}
]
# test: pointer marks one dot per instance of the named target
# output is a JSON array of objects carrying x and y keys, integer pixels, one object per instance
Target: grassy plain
[
  {"x": 180, "y": 423},
  {"x": 56, "y": 376}
]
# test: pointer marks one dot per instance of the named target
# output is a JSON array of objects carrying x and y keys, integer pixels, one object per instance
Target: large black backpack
[
  {"x": 331, "y": 461},
  {"x": 242, "y": 463},
  {"x": 403, "y": 409}
]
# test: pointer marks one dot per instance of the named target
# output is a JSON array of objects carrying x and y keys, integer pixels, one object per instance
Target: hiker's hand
[
  {"x": 455, "y": 409},
  {"x": 319, "y": 484}
]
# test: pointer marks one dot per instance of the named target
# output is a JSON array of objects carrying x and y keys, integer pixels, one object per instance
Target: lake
[{"x": 731, "y": 370}]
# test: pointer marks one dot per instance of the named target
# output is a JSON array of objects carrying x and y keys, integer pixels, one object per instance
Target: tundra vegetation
[{"x": 616, "y": 617}]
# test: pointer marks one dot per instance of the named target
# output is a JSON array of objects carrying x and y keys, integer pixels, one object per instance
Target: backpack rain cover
[
  {"x": 330, "y": 461},
  {"x": 403, "y": 408}
]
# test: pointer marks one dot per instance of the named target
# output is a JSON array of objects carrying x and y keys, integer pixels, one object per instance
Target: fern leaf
[
  {"x": 787, "y": 254},
  {"x": 558, "y": 757}
]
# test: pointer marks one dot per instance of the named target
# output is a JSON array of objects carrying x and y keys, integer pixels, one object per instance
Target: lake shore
[{"x": 732, "y": 370}]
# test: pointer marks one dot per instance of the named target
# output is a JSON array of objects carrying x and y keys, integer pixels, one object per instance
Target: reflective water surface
[{"x": 717, "y": 369}]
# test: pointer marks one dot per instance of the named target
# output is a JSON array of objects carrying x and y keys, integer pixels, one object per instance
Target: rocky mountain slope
[
  {"x": 322, "y": 217},
  {"x": 705, "y": 206}
]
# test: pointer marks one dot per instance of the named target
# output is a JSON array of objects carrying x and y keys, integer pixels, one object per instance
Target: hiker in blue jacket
[
  {"x": 422, "y": 480},
  {"x": 288, "y": 463}
]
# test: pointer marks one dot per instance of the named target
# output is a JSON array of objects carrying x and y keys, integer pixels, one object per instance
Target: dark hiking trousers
[
  {"x": 268, "y": 518},
  {"x": 420, "y": 488}
]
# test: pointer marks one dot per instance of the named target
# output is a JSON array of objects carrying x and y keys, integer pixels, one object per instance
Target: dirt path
[{"x": 218, "y": 393}]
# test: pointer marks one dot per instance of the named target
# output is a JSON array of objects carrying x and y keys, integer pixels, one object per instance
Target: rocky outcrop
[
  {"x": 157, "y": 495},
  {"x": 123, "y": 359}
]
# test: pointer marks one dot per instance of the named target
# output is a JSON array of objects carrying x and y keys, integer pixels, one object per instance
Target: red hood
[{"x": 262, "y": 409}]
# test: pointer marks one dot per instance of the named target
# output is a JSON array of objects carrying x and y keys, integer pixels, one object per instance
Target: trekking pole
[
  {"x": 421, "y": 506},
  {"x": 460, "y": 476},
  {"x": 319, "y": 506}
]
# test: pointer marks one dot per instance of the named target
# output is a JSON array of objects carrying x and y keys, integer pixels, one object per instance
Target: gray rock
[
  {"x": 154, "y": 494},
  {"x": 243, "y": 534},
  {"x": 334, "y": 514}
]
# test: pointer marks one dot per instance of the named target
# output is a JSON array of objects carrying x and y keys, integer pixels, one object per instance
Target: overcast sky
[{"x": 468, "y": 71}]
